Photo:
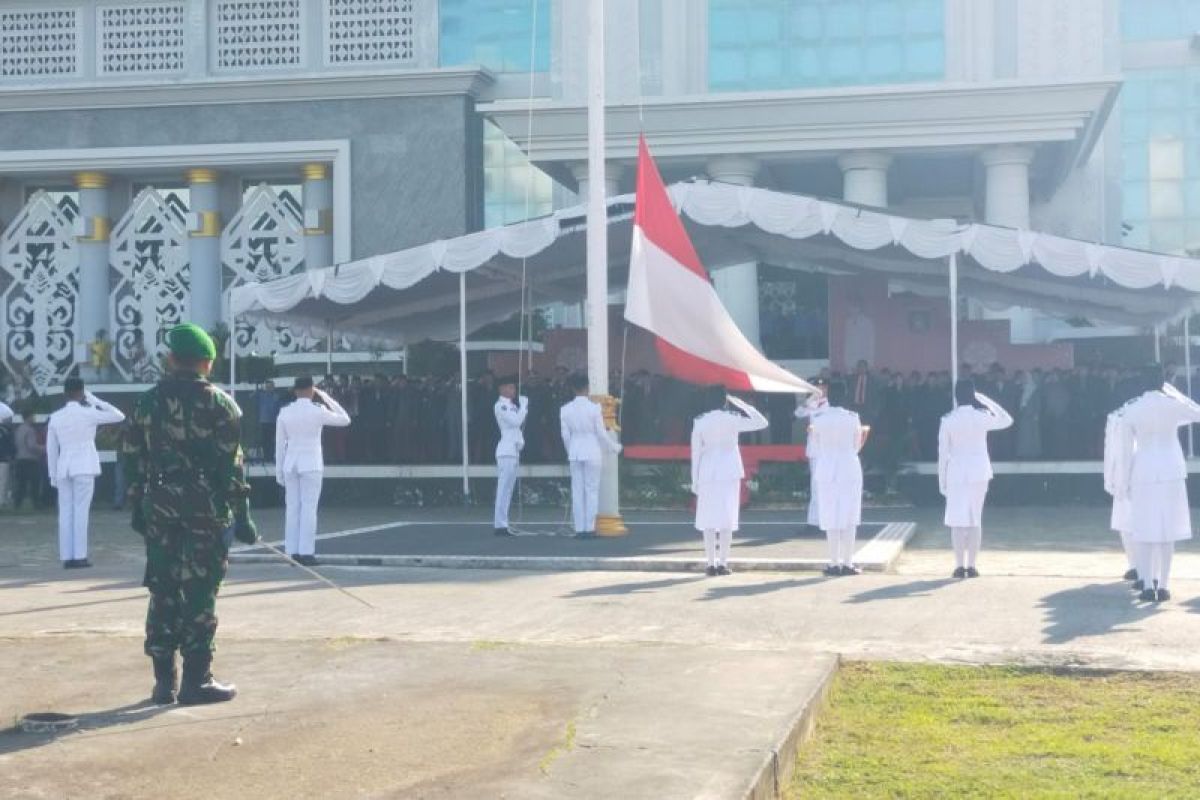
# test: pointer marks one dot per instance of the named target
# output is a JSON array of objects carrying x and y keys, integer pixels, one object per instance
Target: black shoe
[
  {"x": 724, "y": 570},
  {"x": 69, "y": 564},
  {"x": 832, "y": 571},
  {"x": 1148, "y": 596},
  {"x": 1130, "y": 575},
  {"x": 710, "y": 571},
  {"x": 959, "y": 572},
  {"x": 585, "y": 535},
  {"x": 199, "y": 687},
  {"x": 82, "y": 563},
  {"x": 972, "y": 572},
  {"x": 503, "y": 532},
  {"x": 1138, "y": 585},
  {"x": 849, "y": 569},
  {"x": 166, "y": 680},
  {"x": 307, "y": 560},
  {"x": 1163, "y": 596}
]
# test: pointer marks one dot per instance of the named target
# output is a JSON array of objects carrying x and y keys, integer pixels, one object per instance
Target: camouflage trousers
[{"x": 184, "y": 570}]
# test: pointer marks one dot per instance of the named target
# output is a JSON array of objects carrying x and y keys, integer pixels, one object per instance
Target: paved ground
[{"x": 501, "y": 683}]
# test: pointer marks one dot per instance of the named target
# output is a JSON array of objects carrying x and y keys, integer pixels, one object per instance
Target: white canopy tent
[{"x": 414, "y": 294}]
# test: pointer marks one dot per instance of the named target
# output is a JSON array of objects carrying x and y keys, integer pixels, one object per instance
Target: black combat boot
[
  {"x": 166, "y": 677},
  {"x": 198, "y": 687}
]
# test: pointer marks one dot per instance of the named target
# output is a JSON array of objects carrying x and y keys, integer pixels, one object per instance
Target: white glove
[{"x": 279, "y": 479}]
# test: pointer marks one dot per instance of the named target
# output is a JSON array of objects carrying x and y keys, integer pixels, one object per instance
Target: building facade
[{"x": 154, "y": 153}]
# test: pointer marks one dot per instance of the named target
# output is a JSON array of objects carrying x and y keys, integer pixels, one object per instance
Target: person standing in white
[
  {"x": 810, "y": 409},
  {"x": 300, "y": 463},
  {"x": 1156, "y": 480},
  {"x": 6, "y": 414},
  {"x": 717, "y": 472},
  {"x": 965, "y": 469},
  {"x": 73, "y": 464},
  {"x": 1116, "y": 464},
  {"x": 838, "y": 436},
  {"x": 510, "y": 411},
  {"x": 586, "y": 439}
]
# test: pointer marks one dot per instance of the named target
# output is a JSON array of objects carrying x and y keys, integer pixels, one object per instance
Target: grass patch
[{"x": 917, "y": 731}]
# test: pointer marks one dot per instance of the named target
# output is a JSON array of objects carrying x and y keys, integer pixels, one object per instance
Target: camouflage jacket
[{"x": 183, "y": 458}]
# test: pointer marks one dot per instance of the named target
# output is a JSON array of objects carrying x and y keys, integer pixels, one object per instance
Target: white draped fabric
[{"x": 1004, "y": 251}]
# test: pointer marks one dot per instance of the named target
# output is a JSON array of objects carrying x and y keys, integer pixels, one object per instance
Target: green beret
[{"x": 191, "y": 342}]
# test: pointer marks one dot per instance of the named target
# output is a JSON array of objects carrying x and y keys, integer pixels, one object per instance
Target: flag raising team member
[
  {"x": 1155, "y": 479},
  {"x": 837, "y": 435},
  {"x": 300, "y": 463},
  {"x": 585, "y": 439},
  {"x": 73, "y": 464},
  {"x": 510, "y": 411},
  {"x": 717, "y": 471},
  {"x": 965, "y": 469}
]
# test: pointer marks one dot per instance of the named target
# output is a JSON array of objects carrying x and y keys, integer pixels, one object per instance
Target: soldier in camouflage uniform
[{"x": 183, "y": 460}]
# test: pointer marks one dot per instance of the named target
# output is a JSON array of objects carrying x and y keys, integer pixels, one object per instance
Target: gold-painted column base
[{"x": 610, "y": 526}]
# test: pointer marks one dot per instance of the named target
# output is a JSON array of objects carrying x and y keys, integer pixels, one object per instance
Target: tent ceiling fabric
[{"x": 413, "y": 294}]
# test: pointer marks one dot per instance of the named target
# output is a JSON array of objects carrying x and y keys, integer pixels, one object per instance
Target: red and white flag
[{"x": 670, "y": 295}]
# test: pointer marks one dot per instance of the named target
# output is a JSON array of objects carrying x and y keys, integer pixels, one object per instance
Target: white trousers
[
  {"x": 1130, "y": 548},
  {"x": 718, "y": 546},
  {"x": 303, "y": 493},
  {"x": 841, "y": 546},
  {"x": 967, "y": 542},
  {"x": 585, "y": 494},
  {"x": 5, "y": 472},
  {"x": 74, "y": 507},
  {"x": 506, "y": 481},
  {"x": 1154, "y": 563}
]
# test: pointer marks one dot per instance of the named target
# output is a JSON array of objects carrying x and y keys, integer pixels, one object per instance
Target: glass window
[
  {"x": 497, "y": 34},
  {"x": 790, "y": 44},
  {"x": 1160, "y": 158},
  {"x": 509, "y": 182},
  {"x": 1143, "y": 20}
]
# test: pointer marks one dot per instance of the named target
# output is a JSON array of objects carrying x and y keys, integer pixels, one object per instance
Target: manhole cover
[{"x": 48, "y": 722}]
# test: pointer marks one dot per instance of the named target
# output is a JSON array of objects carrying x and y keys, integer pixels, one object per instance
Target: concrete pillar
[
  {"x": 93, "y": 228},
  {"x": 737, "y": 285},
  {"x": 865, "y": 178},
  {"x": 318, "y": 216},
  {"x": 1007, "y": 203},
  {"x": 613, "y": 170},
  {"x": 1007, "y": 198},
  {"x": 204, "y": 248}
]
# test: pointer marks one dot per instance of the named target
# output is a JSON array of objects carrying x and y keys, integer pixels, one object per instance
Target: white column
[
  {"x": 613, "y": 170},
  {"x": 318, "y": 216},
  {"x": 737, "y": 284},
  {"x": 1007, "y": 204},
  {"x": 204, "y": 248},
  {"x": 92, "y": 305},
  {"x": 865, "y": 178}
]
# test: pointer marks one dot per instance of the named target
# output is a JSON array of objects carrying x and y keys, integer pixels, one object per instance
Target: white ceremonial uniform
[
  {"x": 811, "y": 411},
  {"x": 586, "y": 439},
  {"x": 6, "y": 413},
  {"x": 964, "y": 471},
  {"x": 73, "y": 464},
  {"x": 509, "y": 418},
  {"x": 300, "y": 464},
  {"x": 837, "y": 435},
  {"x": 1116, "y": 465},
  {"x": 1156, "y": 478},
  {"x": 717, "y": 472}
]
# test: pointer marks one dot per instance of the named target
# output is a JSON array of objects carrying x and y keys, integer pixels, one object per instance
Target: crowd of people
[{"x": 1059, "y": 413}]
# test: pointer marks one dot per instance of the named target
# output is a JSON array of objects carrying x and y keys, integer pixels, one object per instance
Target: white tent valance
[{"x": 731, "y": 224}]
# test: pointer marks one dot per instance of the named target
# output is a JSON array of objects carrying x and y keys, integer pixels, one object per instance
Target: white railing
[{"x": 60, "y": 42}]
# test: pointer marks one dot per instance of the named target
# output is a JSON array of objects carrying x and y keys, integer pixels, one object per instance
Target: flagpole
[{"x": 608, "y": 521}]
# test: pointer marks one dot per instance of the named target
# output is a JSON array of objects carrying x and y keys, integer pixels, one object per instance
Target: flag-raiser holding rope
[{"x": 671, "y": 296}]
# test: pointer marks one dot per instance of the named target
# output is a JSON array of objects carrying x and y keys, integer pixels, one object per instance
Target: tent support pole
[
  {"x": 232, "y": 350},
  {"x": 1187, "y": 366},
  {"x": 953, "y": 325},
  {"x": 329, "y": 348},
  {"x": 462, "y": 373}
]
